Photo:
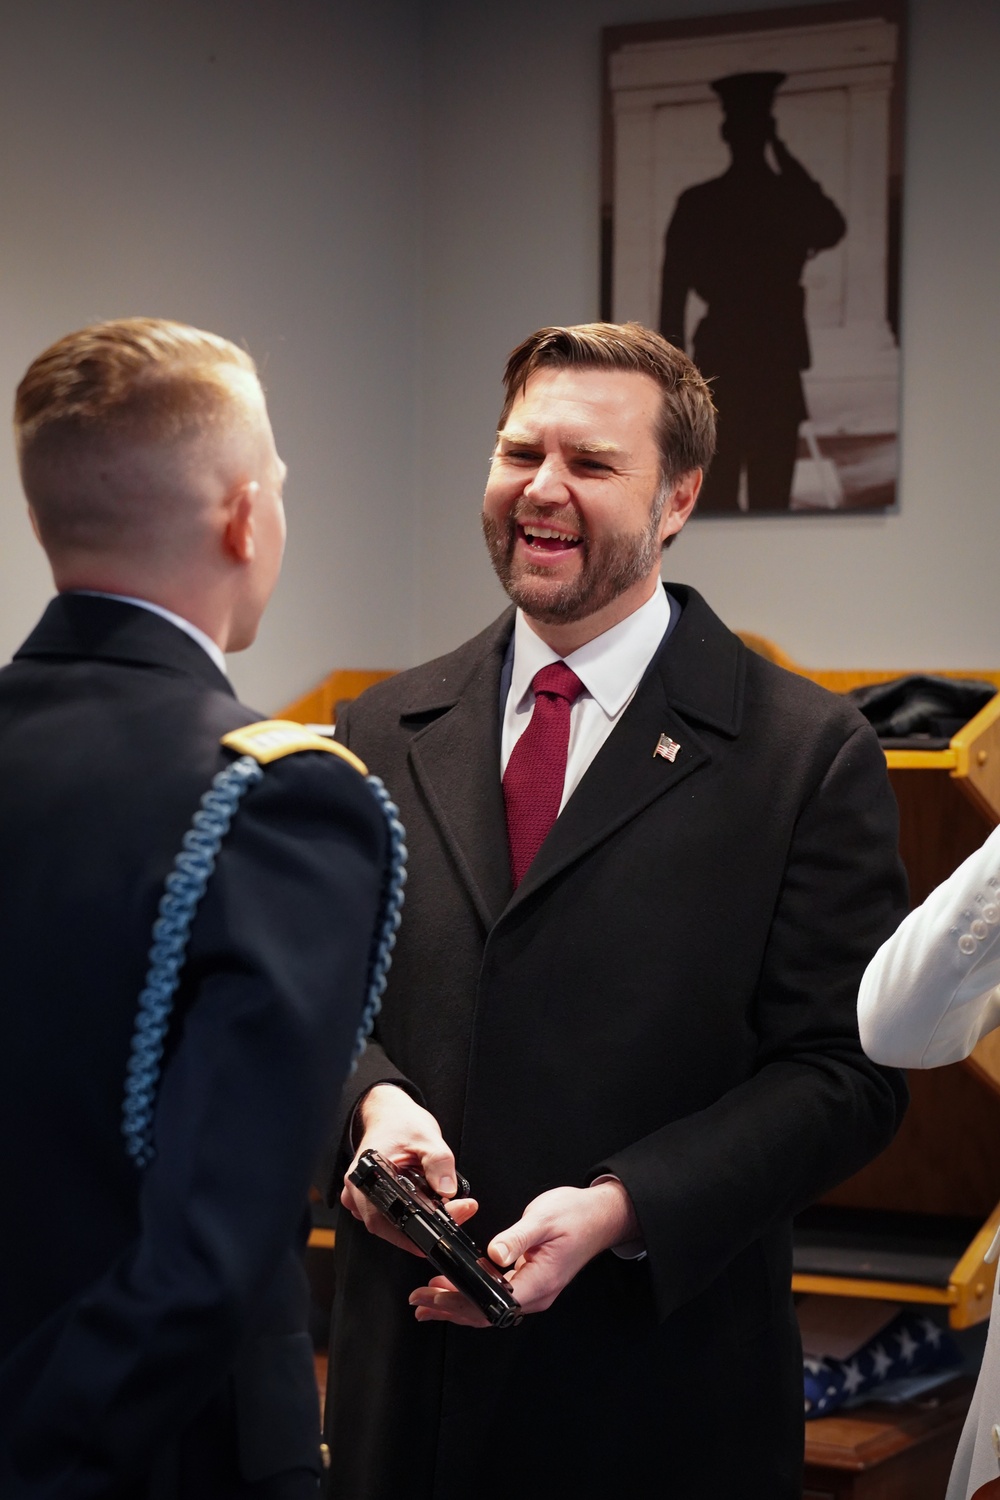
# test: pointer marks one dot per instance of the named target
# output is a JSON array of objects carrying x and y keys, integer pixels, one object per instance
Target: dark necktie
[{"x": 536, "y": 771}]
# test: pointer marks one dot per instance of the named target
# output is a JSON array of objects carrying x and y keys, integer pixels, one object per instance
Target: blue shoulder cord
[{"x": 183, "y": 890}]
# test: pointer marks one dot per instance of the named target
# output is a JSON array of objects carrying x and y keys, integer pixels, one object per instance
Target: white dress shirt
[
  {"x": 610, "y": 667},
  {"x": 204, "y": 641}
]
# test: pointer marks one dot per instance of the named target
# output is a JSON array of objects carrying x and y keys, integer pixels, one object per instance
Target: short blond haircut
[{"x": 123, "y": 384}]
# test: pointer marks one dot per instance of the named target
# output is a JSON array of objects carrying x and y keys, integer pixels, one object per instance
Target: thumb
[
  {"x": 510, "y": 1244},
  {"x": 438, "y": 1166}
]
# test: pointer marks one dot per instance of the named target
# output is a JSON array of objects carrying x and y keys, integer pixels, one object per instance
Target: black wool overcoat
[
  {"x": 668, "y": 996},
  {"x": 152, "y": 1324}
]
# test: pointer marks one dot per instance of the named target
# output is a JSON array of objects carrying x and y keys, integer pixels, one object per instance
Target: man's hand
[
  {"x": 396, "y": 1126},
  {"x": 555, "y": 1237}
]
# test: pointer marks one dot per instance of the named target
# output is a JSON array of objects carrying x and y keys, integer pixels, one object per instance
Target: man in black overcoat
[
  {"x": 644, "y": 1056},
  {"x": 152, "y": 1321}
]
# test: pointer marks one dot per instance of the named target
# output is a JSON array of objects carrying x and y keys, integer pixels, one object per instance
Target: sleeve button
[
  {"x": 966, "y": 943},
  {"x": 978, "y": 929}
]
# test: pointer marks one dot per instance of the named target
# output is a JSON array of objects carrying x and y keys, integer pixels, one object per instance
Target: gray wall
[
  {"x": 381, "y": 199},
  {"x": 252, "y": 168}
]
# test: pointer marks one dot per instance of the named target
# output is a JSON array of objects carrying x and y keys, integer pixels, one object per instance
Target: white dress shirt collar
[
  {"x": 204, "y": 641},
  {"x": 610, "y": 666}
]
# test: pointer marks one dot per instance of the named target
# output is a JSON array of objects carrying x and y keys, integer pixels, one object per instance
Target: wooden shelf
[
  {"x": 319, "y": 705},
  {"x": 878, "y": 1451},
  {"x": 968, "y": 1295},
  {"x": 921, "y": 760},
  {"x": 943, "y": 1159}
]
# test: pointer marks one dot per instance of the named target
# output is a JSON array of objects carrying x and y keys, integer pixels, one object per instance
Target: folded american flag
[{"x": 912, "y": 1344}]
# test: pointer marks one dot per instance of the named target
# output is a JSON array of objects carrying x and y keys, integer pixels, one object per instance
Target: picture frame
[{"x": 751, "y": 211}]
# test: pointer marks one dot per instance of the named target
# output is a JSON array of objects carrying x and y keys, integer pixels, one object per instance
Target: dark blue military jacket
[{"x": 152, "y": 1323}]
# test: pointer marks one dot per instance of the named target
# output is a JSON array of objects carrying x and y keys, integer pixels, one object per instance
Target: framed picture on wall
[{"x": 751, "y": 186}]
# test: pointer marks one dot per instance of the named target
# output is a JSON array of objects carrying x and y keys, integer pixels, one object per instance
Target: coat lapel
[
  {"x": 456, "y": 761},
  {"x": 696, "y": 677},
  {"x": 624, "y": 778}
]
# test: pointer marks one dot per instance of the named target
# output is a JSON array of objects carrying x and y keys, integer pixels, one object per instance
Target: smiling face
[{"x": 575, "y": 514}]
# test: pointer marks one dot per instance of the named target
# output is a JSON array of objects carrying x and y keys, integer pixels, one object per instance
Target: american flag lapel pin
[{"x": 666, "y": 748}]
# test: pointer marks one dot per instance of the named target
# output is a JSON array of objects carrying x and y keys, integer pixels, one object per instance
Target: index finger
[
  {"x": 440, "y": 1302},
  {"x": 374, "y": 1221},
  {"x": 461, "y": 1209}
]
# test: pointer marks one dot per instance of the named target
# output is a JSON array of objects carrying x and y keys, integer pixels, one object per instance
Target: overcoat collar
[
  {"x": 83, "y": 628},
  {"x": 456, "y": 759},
  {"x": 695, "y": 679}
]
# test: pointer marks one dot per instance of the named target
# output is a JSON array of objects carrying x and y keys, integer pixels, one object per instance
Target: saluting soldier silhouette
[{"x": 741, "y": 241}]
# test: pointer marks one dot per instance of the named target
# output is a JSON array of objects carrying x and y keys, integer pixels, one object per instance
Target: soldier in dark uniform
[
  {"x": 741, "y": 241},
  {"x": 152, "y": 1321}
]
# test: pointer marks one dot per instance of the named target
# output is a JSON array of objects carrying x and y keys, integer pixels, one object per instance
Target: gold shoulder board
[{"x": 272, "y": 738}]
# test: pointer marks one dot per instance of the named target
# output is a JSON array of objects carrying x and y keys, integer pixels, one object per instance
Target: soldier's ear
[
  {"x": 239, "y": 512},
  {"x": 34, "y": 524}
]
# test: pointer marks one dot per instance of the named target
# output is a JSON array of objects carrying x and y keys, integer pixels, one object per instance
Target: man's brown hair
[
  {"x": 125, "y": 383},
  {"x": 686, "y": 427}
]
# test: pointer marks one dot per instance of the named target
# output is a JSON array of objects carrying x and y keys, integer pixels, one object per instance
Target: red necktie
[{"x": 533, "y": 780}]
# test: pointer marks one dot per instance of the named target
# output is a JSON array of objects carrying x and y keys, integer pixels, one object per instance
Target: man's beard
[{"x": 609, "y": 567}]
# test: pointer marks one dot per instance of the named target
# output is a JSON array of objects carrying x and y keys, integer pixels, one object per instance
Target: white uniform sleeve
[{"x": 933, "y": 989}]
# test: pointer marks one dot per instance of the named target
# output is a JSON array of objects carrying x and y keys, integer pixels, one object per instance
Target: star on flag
[
  {"x": 908, "y": 1345},
  {"x": 932, "y": 1332}
]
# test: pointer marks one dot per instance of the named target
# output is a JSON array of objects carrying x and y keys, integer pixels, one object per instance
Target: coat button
[
  {"x": 978, "y": 929},
  {"x": 966, "y": 943},
  {"x": 991, "y": 914},
  {"x": 324, "y": 1453},
  {"x": 995, "y": 1435}
]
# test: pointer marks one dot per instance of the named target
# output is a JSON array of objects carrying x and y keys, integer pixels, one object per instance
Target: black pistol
[{"x": 406, "y": 1200}]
